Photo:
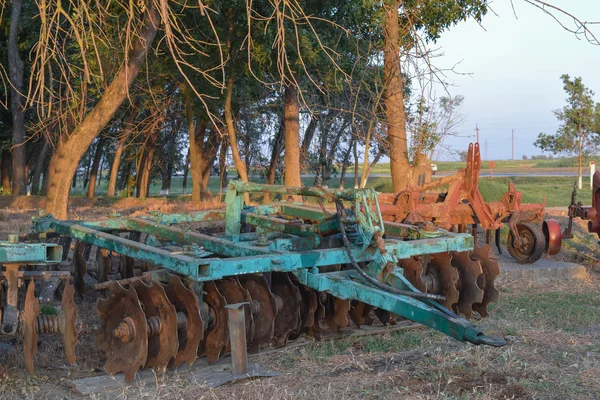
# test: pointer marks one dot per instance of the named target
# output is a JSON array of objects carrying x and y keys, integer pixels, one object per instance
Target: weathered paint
[
  {"x": 283, "y": 241},
  {"x": 347, "y": 286},
  {"x": 30, "y": 253}
]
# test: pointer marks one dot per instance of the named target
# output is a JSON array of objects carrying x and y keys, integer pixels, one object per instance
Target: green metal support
[
  {"x": 346, "y": 285},
  {"x": 30, "y": 253}
]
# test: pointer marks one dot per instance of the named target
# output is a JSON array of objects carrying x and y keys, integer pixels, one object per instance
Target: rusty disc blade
[
  {"x": 264, "y": 311},
  {"x": 185, "y": 301},
  {"x": 491, "y": 269},
  {"x": 288, "y": 317},
  {"x": 469, "y": 291},
  {"x": 103, "y": 264},
  {"x": 319, "y": 315},
  {"x": 217, "y": 336},
  {"x": 308, "y": 307},
  {"x": 413, "y": 272},
  {"x": 80, "y": 266},
  {"x": 445, "y": 278},
  {"x": 30, "y": 337},
  {"x": 360, "y": 313},
  {"x": 336, "y": 313},
  {"x": 122, "y": 306},
  {"x": 234, "y": 293},
  {"x": 162, "y": 345},
  {"x": 68, "y": 320}
]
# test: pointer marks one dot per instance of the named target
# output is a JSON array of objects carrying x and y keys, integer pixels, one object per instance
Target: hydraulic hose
[{"x": 368, "y": 278}]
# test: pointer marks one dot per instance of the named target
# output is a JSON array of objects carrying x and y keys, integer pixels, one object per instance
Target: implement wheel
[{"x": 533, "y": 244}]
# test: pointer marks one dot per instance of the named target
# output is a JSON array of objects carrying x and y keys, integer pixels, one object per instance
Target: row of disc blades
[
  {"x": 161, "y": 325},
  {"x": 465, "y": 279}
]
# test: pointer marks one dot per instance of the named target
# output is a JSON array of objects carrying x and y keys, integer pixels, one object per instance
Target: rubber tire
[{"x": 539, "y": 245}]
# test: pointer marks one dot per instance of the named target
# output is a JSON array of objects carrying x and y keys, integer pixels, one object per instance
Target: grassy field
[
  {"x": 556, "y": 189},
  {"x": 503, "y": 165}
]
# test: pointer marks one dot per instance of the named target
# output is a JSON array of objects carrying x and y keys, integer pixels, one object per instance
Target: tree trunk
[
  {"x": 5, "y": 170},
  {"x": 146, "y": 169},
  {"x": 365, "y": 178},
  {"x": 394, "y": 99},
  {"x": 307, "y": 139},
  {"x": 276, "y": 153},
  {"x": 47, "y": 176},
  {"x": 210, "y": 151},
  {"x": 186, "y": 168},
  {"x": 355, "y": 152},
  {"x": 195, "y": 148},
  {"x": 88, "y": 168},
  {"x": 114, "y": 169},
  {"x": 70, "y": 151},
  {"x": 235, "y": 153},
  {"x": 580, "y": 171},
  {"x": 320, "y": 174},
  {"x": 39, "y": 168},
  {"x": 345, "y": 165},
  {"x": 17, "y": 103},
  {"x": 139, "y": 167},
  {"x": 223, "y": 165},
  {"x": 94, "y": 170},
  {"x": 291, "y": 113}
]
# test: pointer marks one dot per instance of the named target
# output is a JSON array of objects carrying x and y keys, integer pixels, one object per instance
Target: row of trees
[{"x": 281, "y": 85}]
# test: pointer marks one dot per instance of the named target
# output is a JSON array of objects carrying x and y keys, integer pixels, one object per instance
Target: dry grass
[{"x": 553, "y": 352}]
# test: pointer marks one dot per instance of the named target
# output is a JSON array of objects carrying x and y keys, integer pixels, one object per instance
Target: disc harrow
[
  {"x": 295, "y": 270},
  {"x": 18, "y": 262}
]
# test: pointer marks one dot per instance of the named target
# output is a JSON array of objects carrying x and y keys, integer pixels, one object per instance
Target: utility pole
[
  {"x": 513, "y": 145},
  {"x": 477, "y": 131}
]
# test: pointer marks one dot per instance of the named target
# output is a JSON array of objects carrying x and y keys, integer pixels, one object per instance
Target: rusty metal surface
[
  {"x": 80, "y": 265},
  {"x": 163, "y": 344},
  {"x": 444, "y": 278},
  {"x": 185, "y": 301},
  {"x": 461, "y": 204},
  {"x": 336, "y": 313},
  {"x": 308, "y": 307},
  {"x": 103, "y": 264},
  {"x": 10, "y": 317},
  {"x": 491, "y": 269},
  {"x": 234, "y": 293},
  {"x": 413, "y": 271},
  {"x": 67, "y": 322},
  {"x": 217, "y": 336},
  {"x": 264, "y": 311},
  {"x": 361, "y": 313},
  {"x": 288, "y": 317},
  {"x": 526, "y": 242},
  {"x": 29, "y": 316},
  {"x": 552, "y": 232},
  {"x": 469, "y": 290},
  {"x": 129, "y": 355},
  {"x": 237, "y": 337}
]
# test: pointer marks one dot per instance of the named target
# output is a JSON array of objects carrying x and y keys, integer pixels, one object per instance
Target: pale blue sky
[{"x": 516, "y": 66}]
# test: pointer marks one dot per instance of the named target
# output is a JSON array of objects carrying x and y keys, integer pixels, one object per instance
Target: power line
[{"x": 477, "y": 131}]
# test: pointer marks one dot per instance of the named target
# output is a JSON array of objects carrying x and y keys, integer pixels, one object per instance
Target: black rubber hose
[{"x": 370, "y": 279}]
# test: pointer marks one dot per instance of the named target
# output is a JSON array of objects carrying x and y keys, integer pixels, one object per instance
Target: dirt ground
[{"x": 553, "y": 351}]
